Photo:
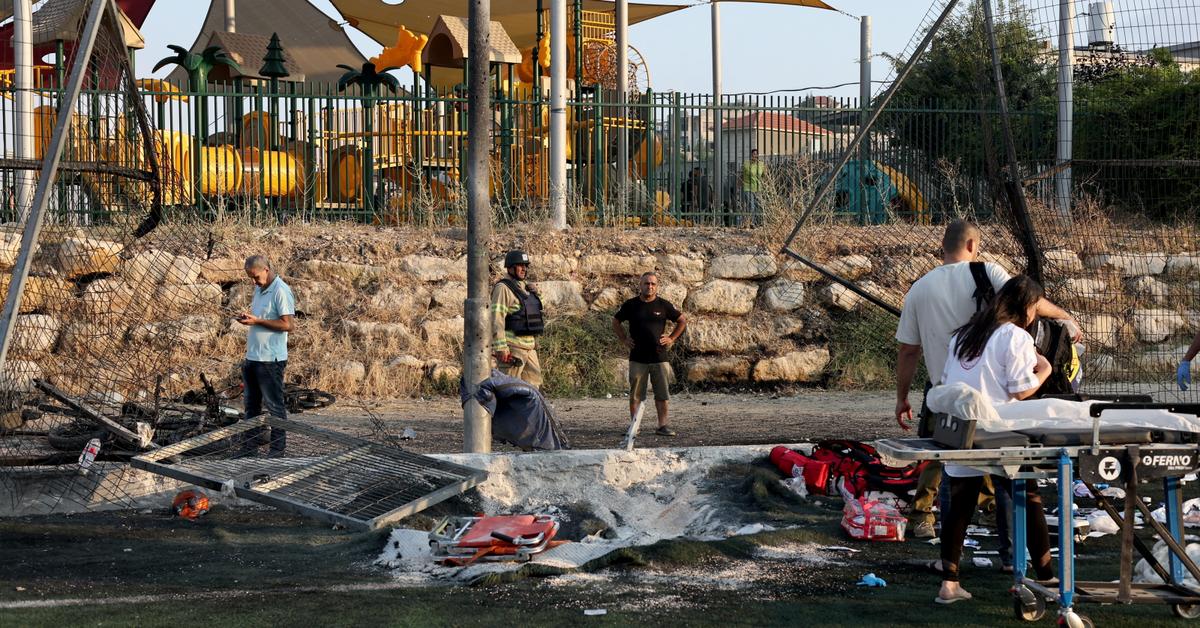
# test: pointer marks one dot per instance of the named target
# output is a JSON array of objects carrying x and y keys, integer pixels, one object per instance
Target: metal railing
[{"x": 307, "y": 151}]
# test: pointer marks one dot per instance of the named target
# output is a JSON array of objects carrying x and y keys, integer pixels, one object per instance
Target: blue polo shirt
[{"x": 270, "y": 303}]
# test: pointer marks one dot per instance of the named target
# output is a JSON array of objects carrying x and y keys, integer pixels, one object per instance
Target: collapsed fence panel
[{"x": 327, "y": 475}]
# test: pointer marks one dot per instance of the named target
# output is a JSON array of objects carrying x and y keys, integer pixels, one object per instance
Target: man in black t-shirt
[{"x": 648, "y": 343}]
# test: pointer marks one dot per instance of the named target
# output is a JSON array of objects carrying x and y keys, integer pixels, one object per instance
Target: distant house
[
  {"x": 772, "y": 134},
  {"x": 1186, "y": 55}
]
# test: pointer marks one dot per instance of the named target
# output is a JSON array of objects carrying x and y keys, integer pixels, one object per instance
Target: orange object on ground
[
  {"x": 190, "y": 504},
  {"x": 464, "y": 540}
]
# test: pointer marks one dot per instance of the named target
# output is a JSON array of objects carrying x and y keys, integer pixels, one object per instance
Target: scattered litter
[
  {"x": 408, "y": 434},
  {"x": 1191, "y": 477},
  {"x": 796, "y": 485},
  {"x": 1143, "y": 573},
  {"x": 1100, "y": 524},
  {"x": 934, "y": 541},
  {"x": 1079, "y": 489},
  {"x": 753, "y": 528},
  {"x": 987, "y": 552},
  {"x": 88, "y": 456},
  {"x": 1080, "y": 524},
  {"x": 1115, "y": 492},
  {"x": 885, "y": 497},
  {"x": 840, "y": 548},
  {"x": 981, "y": 562},
  {"x": 593, "y": 612},
  {"x": 227, "y": 489},
  {"x": 974, "y": 530},
  {"x": 1191, "y": 513},
  {"x": 971, "y": 543},
  {"x": 128, "y": 549},
  {"x": 20, "y": 588},
  {"x": 871, "y": 580}
]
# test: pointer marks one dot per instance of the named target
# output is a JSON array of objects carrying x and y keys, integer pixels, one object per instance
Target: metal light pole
[
  {"x": 622, "y": 34},
  {"x": 718, "y": 166},
  {"x": 558, "y": 113},
  {"x": 864, "y": 87},
  {"x": 23, "y": 107},
  {"x": 477, "y": 428},
  {"x": 1066, "y": 106}
]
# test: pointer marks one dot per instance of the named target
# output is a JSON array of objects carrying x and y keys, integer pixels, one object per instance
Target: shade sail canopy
[
  {"x": 816, "y": 4},
  {"x": 379, "y": 20}
]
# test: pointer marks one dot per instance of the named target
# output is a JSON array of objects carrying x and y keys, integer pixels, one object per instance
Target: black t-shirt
[{"x": 647, "y": 322}]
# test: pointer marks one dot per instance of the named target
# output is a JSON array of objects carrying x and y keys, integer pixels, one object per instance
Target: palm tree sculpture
[
  {"x": 197, "y": 67},
  {"x": 369, "y": 82}
]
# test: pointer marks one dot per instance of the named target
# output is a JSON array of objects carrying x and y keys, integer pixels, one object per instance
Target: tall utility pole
[
  {"x": 477, "y": 428},
  {"x": 622, "y": 34},
  {"x": 22, "y": 43},
  {"x": 864, "y": 87},
  {"x": 1066, "y": 106},
  {"x": 718, "y": 165},
  {"x": 230, "y": 16},
  {"x": 558, "y": 113}
]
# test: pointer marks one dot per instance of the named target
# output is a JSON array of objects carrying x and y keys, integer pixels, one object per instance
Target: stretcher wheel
[
  {"x": 1027, "y": 605},
  {"x": 1071, "y": 619},
  {"x": 1186, "y": 611}
]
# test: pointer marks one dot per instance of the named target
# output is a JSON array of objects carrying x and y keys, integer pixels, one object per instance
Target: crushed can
[{"x": 89, "y": 456}]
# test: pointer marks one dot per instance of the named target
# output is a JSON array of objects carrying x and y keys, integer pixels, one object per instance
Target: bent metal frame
[{"x": 346, "y": 480}]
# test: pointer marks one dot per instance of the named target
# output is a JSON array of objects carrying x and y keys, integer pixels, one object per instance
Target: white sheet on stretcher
[{"x": 963, "y": 401}]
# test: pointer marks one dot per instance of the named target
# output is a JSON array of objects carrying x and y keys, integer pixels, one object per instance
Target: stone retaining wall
[{"x": 381, "y": 311}]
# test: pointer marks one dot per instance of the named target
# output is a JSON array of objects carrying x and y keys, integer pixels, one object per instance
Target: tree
[
  {"x": 945, "y": 109},
  {"x": 1146, "y": 111}
]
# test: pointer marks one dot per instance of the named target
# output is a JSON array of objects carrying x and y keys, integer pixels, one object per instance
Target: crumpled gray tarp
[{"x": 520, "y": 414}]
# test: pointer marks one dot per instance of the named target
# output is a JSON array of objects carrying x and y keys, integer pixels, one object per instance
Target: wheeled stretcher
[{"x": 1116, "y": 455}]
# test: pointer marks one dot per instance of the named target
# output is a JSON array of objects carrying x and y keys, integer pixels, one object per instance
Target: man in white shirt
[{"x": 938, "y": 303}]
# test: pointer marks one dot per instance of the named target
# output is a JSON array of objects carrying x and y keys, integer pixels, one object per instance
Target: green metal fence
[{"x": 311, "y": 152}]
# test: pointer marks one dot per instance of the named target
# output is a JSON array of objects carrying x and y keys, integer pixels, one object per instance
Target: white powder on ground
[{"x": 643, "y": 496}]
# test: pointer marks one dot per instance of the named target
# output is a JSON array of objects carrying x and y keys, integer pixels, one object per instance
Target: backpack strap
[
  {"x": 984, "y": 290},
  {"x": 1055, "y": 345}
]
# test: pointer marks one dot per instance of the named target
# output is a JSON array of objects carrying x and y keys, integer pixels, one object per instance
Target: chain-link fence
[{"x": 1094, "y": 194}]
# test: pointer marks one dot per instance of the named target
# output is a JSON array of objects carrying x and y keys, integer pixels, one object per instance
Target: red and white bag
[{"x": 871, "y": 520}]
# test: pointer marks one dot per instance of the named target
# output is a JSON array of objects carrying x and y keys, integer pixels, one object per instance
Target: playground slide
[{"x": 908, "y": 192}]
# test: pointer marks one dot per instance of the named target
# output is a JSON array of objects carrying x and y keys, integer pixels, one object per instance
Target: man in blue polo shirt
[{"x": 269, "y": 320}]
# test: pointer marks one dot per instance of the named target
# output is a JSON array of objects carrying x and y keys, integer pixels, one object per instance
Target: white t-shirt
[
  {"x": 939, "y": 303},
  {"x": 1005, "y": 367}
]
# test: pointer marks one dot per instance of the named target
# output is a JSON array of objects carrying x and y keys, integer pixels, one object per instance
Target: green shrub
[
  {"x": 862, "y": 348},
  {"x": 576, "y": 356}
]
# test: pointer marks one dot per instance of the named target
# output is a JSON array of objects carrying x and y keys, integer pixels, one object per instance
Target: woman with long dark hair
[{"x": 994, "y": 355}]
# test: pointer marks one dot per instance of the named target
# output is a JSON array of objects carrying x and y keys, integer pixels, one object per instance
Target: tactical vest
[{"x": 527, "y": 320}]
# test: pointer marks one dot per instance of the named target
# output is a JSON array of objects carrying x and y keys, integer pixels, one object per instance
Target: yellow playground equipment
[{"x": 599, "y": 64}]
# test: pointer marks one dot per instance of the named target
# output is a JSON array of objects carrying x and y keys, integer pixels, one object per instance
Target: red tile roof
[{"x": 774, "y": 122}]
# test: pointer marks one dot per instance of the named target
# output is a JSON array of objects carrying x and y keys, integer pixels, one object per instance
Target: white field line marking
[{"x": 171, "y": 597}]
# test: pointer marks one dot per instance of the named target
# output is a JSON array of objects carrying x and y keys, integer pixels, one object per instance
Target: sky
[{"x": 764, "y": 47}]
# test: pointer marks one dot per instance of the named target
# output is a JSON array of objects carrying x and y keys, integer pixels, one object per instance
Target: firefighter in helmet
[{"x": 516, "y": 321}]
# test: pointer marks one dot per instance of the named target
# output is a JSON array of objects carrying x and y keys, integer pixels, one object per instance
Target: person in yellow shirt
[
  {"x": 517, "y": 321},
  {"x": 751, "y": 185}
]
